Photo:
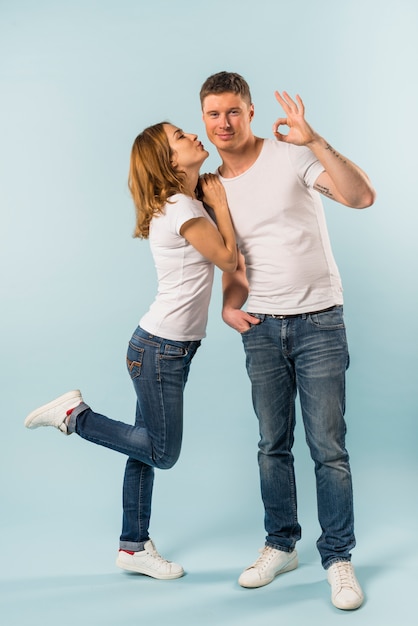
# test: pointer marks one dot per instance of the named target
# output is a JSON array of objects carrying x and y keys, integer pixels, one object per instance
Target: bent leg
[{"x": 159, "y": 370}]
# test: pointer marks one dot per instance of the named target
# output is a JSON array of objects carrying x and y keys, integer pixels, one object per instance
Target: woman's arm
[{"x": 215, "y": 244}]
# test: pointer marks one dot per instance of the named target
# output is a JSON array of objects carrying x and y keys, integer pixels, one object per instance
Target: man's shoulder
[
  {"x": 298, "y": 156},
  {"x": 274, "y": 150},
  {"x": 281, "y": 146}
]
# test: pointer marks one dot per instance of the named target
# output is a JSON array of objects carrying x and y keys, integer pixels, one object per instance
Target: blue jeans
[
  {"x": 308, "y": 355},
  {"x": 159, "y": 369}
]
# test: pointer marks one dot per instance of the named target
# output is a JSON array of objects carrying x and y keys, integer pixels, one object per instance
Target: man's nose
[{"x": 224, "y": 122}]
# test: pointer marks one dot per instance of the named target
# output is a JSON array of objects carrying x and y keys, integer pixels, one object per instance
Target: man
[{"x": 293, "y": 330}]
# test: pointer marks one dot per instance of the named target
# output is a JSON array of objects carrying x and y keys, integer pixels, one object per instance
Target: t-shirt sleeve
[
  {"x": 306, "y": 164},
  {"x": 182, "y": 209}
]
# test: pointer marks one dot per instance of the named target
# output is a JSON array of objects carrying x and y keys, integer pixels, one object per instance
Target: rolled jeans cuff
[{"x": 71, "y": 426}]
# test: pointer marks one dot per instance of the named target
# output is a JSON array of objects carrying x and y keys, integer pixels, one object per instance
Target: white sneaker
[
  {"x": 269, "y": 564},
  {"x": 54, "y": 413},
  {"x": 149, "y": 562},
  {"x": 346, "y": 592}
]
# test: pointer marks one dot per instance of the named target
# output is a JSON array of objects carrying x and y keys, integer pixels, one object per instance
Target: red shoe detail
[{"x": 128, "y": 551}]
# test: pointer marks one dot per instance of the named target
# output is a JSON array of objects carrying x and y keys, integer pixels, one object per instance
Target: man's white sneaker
[
  {"x": 269, "y": 564},
  {"x": 346, "y": 592},
  {"x": 149, "y": 562},
  {"x": 54, "y": 413}
]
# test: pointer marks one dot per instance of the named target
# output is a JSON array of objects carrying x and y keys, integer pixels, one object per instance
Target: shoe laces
[
  {"x": 267, "y": 554},
  {"x": 152, "y": 551},
  {"x": 344, "y": 575}
]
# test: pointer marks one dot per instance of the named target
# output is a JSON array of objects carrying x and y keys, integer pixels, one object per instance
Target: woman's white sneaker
[
  {"x": 149, "y": 562},
  {"x": 269, "y": 564},
  {"x": 346, "y": 593},
  {"x": 55, "y": 413}
]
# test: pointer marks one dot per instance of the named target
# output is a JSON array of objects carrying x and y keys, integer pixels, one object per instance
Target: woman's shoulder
[
  {"x": 182, "y": 202},
  {"x": 178, "y": 209}
]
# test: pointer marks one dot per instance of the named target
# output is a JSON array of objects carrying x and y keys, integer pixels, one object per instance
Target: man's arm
[
  {"x": 235, "y": 293},
  {"x": 342, "y": 181}
]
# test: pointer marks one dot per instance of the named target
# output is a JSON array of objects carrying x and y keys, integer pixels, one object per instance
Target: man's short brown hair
[{"x": 226, "y": 82}]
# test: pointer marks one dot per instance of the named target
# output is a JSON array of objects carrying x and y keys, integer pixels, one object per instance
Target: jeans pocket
[
  {"x": 259, "y": 316},
  {"x": 134, "y": 360},
  {"x": 172, "y": 351},
  {"x": 329, "y": 320}
]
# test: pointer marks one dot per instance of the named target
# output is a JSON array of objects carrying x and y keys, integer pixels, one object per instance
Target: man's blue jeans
[
  {"x": 308, "y": 355},
  {"x": 159, "y": 369}
]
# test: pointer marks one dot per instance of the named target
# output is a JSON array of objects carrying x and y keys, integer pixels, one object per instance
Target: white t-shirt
[
  {"x": 185, "y": 277},
  {"x": 281, "y": 231}
]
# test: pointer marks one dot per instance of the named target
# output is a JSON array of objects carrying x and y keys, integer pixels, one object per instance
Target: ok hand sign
[{"x": 300, "y": 133}]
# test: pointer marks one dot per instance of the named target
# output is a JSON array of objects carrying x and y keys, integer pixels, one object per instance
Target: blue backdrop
[{"x": 78, "y": 81}]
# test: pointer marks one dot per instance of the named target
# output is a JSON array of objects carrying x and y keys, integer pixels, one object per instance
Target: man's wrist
[{"x": 317, "y": 143}]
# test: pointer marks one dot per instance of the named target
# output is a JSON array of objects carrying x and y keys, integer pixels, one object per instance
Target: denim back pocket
[{"x": 134, "y": 359}]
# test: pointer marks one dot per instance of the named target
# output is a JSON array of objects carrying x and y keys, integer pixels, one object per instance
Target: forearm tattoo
[
  {"x": 324, "y": 190},
  {"x": 335, "y": 153}
]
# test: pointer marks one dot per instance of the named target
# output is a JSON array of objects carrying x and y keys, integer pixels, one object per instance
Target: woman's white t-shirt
[{"x": 185, "y": 277}]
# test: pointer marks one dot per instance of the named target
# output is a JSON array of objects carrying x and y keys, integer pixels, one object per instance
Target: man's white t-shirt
[
  {"x": 281, "y": 230},
  {"x": 185, "y": 277}
]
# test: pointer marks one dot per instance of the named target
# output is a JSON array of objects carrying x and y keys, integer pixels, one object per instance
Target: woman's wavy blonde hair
[{"x": 152, "y": 177}]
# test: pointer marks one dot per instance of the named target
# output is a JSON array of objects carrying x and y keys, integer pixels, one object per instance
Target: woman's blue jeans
[
  {"x": 159, "y": 369},
  {"x": 305, "y": 355}
]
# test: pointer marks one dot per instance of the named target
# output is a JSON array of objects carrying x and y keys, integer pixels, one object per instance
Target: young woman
[{"x": 185, "y": 243}]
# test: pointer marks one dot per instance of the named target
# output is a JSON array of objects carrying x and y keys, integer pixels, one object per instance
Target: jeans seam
[{"x": 139, "y": 505}]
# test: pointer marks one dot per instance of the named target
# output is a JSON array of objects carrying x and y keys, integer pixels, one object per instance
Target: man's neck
[{"x": 236, "y": 162}]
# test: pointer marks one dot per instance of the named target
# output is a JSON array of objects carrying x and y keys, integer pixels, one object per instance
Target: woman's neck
[{"x": 190, "y": 184}]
